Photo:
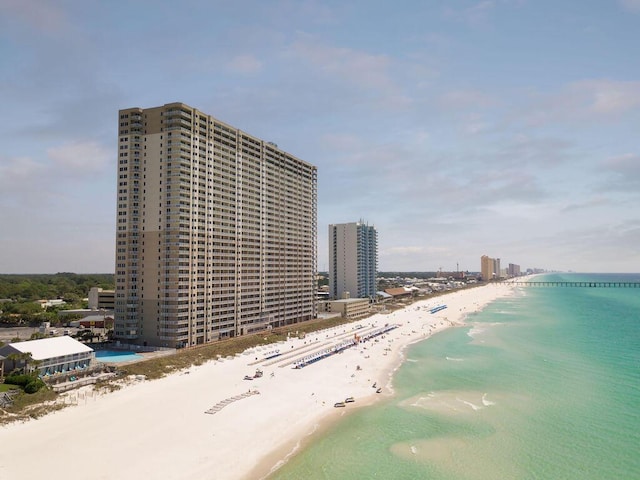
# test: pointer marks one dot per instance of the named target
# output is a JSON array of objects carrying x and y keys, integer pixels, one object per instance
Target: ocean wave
[
  {"x": 475, "y": 330},
  {"x": 422, "y": 401},
  {"x": 479, "y": 328},
  {"x": 454, "y": 359},
  {"x": 472, "y": 405},
  {"x": 485, "y": 402}
]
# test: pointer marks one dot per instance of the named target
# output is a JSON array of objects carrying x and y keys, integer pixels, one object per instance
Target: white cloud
[
  {"x": 25, "y": 185},
  {"x": 583, "y": 100},
  {"x": 474, "y": 14},
  {"x": 630, "y": 5},
  {"x": 627, "y": 164},
  {"x": 42, "y": 15},
  {"x": 15, "y": 172},
  {"x": 79, "y": 158},
  {"x": 466, "y": 99},
  {"x": 362, "y": 69},
  {"x": 408, "y": 250},
  {"x": 29, "y": 183},
  {"x": 311, "y": 9},
  {"x": 608, "y": 96},
  {"x": 588, "y": 204},
  {"x": 342, "y": 142},
  {"x": 245, "y": 64},
  {"x": 622, "y": 173}
]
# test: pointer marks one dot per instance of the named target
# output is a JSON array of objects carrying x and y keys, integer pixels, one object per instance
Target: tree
[
  {"x": 23, "y": 358},
  {"x": 87, "y": 336}
]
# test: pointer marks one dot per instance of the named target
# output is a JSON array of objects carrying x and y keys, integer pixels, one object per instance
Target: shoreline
[
  {"x": 159, "y": 428},
  {"x": 278, "y": 458}
]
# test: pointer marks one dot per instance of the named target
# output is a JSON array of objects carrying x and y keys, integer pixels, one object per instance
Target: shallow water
[{"x": 543, "y": 385}]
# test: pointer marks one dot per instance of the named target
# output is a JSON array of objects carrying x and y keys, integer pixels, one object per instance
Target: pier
[{"x": 578, "y": 284}]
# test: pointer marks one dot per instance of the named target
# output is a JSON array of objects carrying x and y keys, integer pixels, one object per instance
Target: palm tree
[{"x": 24, "y": 358}]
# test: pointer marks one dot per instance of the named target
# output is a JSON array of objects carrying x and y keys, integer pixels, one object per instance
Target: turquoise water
[
  {"x": 542, "y": 385},
  {"x": 116, "y": 356}
]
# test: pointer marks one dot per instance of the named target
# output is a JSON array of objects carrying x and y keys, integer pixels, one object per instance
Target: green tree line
[{"x": 71, "y": 287}]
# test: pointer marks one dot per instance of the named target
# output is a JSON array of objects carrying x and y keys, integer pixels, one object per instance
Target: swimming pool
[{"x": 116, "y": 356}]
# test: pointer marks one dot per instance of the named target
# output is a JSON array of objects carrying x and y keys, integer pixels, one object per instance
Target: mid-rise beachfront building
[
  {"x": 101, "y": 299},
  {"x": 351, "y": 308},
  {"x": 216, "y": 230},
  {"x": 353, "y": 260}
]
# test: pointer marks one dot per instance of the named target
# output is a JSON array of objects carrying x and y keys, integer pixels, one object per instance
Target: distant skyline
[{"x": 458, "y": 129}]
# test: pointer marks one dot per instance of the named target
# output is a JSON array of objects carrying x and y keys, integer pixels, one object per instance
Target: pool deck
[{"x": 143, "y": 356}]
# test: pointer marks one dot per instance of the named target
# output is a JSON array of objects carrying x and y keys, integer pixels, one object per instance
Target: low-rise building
[
  {"x": 49, "y": 355},
  {"x": 82, "y": 313},
  {"x": 351, "y": 308},
  {"x": 400, "y": 292},
  {"x": 55, "y": 302}
]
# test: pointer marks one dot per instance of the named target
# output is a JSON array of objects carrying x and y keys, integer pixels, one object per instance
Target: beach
[{"x": 220, "y": 420}]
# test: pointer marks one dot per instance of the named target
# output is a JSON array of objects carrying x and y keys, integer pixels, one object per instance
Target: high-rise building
[
  {"x": 353, "y": 260},
  {"x": 489, "y": 268},
  {"x": 216, "y": 230}
]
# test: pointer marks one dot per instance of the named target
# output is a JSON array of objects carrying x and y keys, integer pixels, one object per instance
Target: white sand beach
[{"x": 160, "y": 429}]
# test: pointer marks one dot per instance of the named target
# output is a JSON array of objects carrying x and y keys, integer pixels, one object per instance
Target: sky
[{"x": 457, "y": 128}]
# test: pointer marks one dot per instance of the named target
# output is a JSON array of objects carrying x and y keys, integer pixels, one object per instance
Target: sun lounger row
[
  {"x": 309, "y": 359},
  {"x": 220, "y": 405}
]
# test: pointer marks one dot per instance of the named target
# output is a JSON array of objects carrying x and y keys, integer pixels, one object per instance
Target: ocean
[{"x": 541, "y": 385}]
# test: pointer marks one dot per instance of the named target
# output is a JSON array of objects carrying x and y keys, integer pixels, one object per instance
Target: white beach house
[{"x": 51, "y": 355}]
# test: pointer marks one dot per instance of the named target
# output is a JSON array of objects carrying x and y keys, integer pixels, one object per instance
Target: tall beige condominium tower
[
  {"x": 489, "y": 268},
  {"x": 216, "y": 230}
]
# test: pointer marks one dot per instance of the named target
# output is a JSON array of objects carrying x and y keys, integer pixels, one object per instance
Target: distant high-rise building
[
  {"x": 513, "y": 270},
  {"x": 216, "y": 230},
  {"x": 353, "y": 260},
  {"x": 487, "y": 268}
]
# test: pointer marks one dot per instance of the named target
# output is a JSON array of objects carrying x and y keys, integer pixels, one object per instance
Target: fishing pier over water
[{"x": 578, "y": 284}]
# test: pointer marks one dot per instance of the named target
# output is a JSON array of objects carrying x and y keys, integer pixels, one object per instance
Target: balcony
[{"x": 180, "y": 113}]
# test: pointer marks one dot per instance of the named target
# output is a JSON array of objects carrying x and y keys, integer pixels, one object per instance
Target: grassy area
[
  {"x": 24, "y": 401},
  {"x": 6, "y": 387},
  {"x": 159, "y": 367},
  {"x": 26, "y": 406}
]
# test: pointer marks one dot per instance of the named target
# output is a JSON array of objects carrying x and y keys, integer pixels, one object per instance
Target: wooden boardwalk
[{"x": 579, "y": 284}]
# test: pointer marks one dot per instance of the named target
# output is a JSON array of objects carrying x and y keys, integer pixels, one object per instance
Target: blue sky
[{"x": 457, "y": 128}]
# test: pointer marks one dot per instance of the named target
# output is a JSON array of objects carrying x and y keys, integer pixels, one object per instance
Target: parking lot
[{"x": 23, "y": 333}]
